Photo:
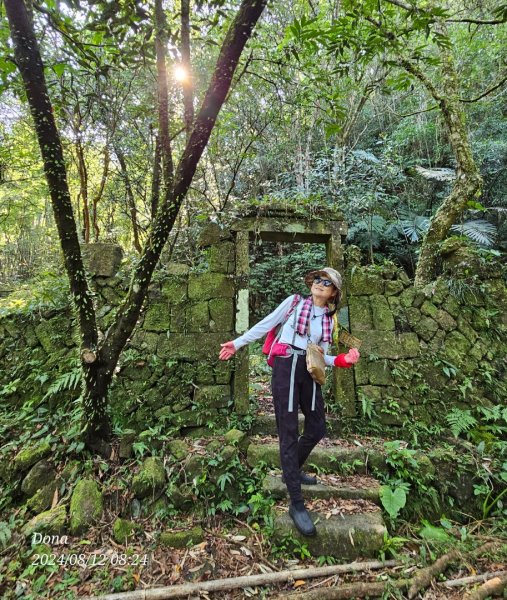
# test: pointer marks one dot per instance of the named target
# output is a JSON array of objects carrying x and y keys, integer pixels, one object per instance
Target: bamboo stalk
[{"x": 178, "y": 591}]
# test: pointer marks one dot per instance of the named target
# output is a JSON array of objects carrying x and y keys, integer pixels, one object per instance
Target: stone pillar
[
  {"x": 240, "y": 383},
  {"x": 343, "y": 379}
]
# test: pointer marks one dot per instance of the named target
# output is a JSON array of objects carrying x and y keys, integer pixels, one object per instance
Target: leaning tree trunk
[
  {"x": 98, "y": 363},
  {"x": 468, "y": 183}
]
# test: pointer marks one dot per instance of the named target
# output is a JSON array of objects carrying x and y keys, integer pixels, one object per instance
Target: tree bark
[
  {"x": 98, "y": 195},
  {"x": 155, "y": 179},
  {"x": 29, "y": 62},
  {"x": 235, "y": 40},
  {"x": 188, "y": 100},
  {"x": 468, "y": 183},
  {"x": 163, "y": 95},
  {"x": 131, "y": 202},
  {"x": 98, "y": 374},
  {"x": 83, "y": 189}
]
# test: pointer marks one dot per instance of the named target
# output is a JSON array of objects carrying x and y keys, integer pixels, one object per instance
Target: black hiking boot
[
  {"x": 302, "y": 521},
  {"x": 304, "y": 478}
]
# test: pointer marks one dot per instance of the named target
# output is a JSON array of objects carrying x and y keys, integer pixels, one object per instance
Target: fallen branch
[
  {"x": 424, "y": 577},
  {"x": 473, "y": 579},
  {"x": 351, "y": 590},
  {"x": 178, "y": 591},
  {"x": 493, "y": 587}
]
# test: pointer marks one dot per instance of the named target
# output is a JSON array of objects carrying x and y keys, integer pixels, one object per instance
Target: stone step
[
  {"x": 367, "y": 489},
  {"x": 334, "y": 459},
  {"x": 345, "y": 537},
  {"x": 266, "y": 425}
]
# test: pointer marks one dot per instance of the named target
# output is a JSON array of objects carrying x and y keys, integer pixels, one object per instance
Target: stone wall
[
  {"x": 423, "y": 351},
  {"x": 426, "y": 350}
]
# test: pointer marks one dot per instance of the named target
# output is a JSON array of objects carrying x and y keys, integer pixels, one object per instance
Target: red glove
[{"x": 345, "y": 361}]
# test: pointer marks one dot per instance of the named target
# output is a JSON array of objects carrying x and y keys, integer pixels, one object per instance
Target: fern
[
  {"x": 68, "y": 381},
  {"x": 5, "y": 533},
  {"x": 460, "y": 421}
]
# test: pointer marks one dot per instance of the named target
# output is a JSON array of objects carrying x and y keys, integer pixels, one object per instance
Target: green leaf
[
  {"x": 436, "y": 534},
  {"x": 393, "y": 500},
  {"x": 59, "y": 69}
]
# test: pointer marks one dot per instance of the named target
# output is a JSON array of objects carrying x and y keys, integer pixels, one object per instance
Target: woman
[{"x": 303, "y": 320}]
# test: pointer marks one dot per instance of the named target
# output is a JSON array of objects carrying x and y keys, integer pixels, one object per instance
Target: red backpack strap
[{"x": 294, "y": 303}]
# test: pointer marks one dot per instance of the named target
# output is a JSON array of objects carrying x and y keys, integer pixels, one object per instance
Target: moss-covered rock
[
  {"x": 381, "y": 313},
  {"x": 426, "y": 328},
  {"x": 204, "y": 286},
  {"x": 51, "y": 522},
  {"x": 235, "y": 437},
  {"x": 178, "y": 449},
  {"x": 222, "y": 258},
  {"x": 393, "y": 288},
  {"x": 123, "y": 531},
  {"x": 455, "y": 347},
  {"x": 157, "y": 318},
  {"x": 30, "y": 455},
  {"x": 360, "y": 313},
  {"x": 39, "y": 475},
  {"x": 42, "y": 498},
  {"x": 86, "y": 506},
  {"x": 51, "y": 332},
  {"x": 150, "y": 479},
  {"x": 181, "y": 539},
  {"x": 70, "y": 470},
  {"x": 365, "y": 283},
  {"x": 445, "y": 320},
  {"x": 221, "y": 311},
  {"x": 197, "y": 316},
  {"x": 380, "y": 372},
  {"x": 213, "y": 396},
  {"x": 102, "y": 260}
]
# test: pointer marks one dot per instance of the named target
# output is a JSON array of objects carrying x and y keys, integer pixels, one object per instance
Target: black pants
[{"x": 294, "y": 450}]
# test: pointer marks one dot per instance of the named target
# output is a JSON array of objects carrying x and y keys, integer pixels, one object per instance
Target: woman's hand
[
  {"x": 352, "y": 356},
  {"x": 227, "y": 351}
]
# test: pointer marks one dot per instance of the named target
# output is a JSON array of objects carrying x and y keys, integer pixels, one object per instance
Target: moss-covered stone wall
[{"x": 427, "y": 350}]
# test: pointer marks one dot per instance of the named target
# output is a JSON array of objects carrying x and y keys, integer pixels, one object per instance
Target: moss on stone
[
  {"x": 393, "y": 288},
  {"x": 455, "y": 347},
  {"x": 86, "y": 506},
  {"x": 51, "y": 522},
  {"x": 178, "y": 449},
  {"x": 175, "y": 290},
  {"x": 238, "y": 438},
  {"x": 380, "y": 372},
  {"x": 426, "y": 328},
  {"x": 42, "y": 498},
  {"x": 381, "y": 313},
  {"x": 52, "y": 332},
  {"x": 445, "y": 320},
  {"x": 39, "y": 475},
  {"x": 222, "y": 313},
  {"x": 123, "y": 531},
  {"x": 30, "y": 455},
  {"x": 181, "y": 539},
  {"x": 221, "y": 258},
  {"x": 429, "y": 309},
  {"x": 364, "y": 283},
  {"x": 360, "y": 313},
  {"x": 157, "y": 318},
  {"x": 204, "y": 286},
  {"x": 213, "y": 396},
  {"x": 197, "y": 316},
  {"x": 150, "y": 479}
]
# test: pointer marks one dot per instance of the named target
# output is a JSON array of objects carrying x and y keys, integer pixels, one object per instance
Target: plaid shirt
[{"x": 304, "y": 321}]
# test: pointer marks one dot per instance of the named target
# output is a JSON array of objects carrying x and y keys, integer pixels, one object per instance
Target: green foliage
[{"x": 460, "y": 420}]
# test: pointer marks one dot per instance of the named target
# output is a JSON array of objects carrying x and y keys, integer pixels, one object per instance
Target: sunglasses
[{"x": 324, "y": 282}]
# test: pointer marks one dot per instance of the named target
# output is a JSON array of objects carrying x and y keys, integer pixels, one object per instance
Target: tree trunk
[
  {"x": 98, "y": 364},
  {"x": 98, "y": 195},
  {"x": 163, "y": 96},
  {"x": 155, "y": 179},
  {"x": 235, "y": 40},
  {"x": 188, "y": 100},
  {"x": 83, "y": 189},
  {"x": 131, "y": 202},
  {"x": 468, "y": 183}
]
